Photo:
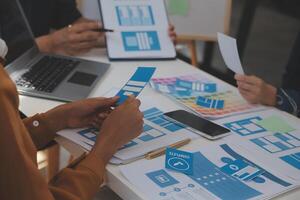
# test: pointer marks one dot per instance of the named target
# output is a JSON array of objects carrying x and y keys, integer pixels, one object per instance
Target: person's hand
[
  {"x": 172, "y": 33},
  {"x": 75, "y": 39},
  {"x": 255, "y": 90},
  {"x": 123, "y": 124},
  {"x": 83, "y": 113}
]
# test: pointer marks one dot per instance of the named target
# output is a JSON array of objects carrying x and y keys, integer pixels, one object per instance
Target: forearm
[
  {"x": 81, "y": 180},
  {"x": 40, "y": 131},
  {"x": 85, "y": 175},
  {"x": 43, "y": 127}
]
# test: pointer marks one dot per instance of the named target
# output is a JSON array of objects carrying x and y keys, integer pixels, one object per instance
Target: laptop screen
[{"x": 14, "y": 30}]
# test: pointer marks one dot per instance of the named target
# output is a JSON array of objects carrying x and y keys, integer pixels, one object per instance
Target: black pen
[{"x": 104, "y": 30}]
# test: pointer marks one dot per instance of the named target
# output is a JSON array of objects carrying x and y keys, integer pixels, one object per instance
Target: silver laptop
[{"x": 43, "y": 75}]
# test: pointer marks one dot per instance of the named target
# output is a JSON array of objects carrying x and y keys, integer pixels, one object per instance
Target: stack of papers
[{"x": 158, "y": 132}]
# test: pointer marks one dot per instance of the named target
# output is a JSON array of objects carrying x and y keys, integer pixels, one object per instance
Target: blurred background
[{"x": 268, "y": 29}]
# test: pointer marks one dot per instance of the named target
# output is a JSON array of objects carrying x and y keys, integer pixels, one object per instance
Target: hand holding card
[{"x": 136, "y": 83}]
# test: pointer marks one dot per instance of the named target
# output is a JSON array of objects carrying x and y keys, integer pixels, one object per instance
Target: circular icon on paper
[
  {"x": 163, "y": 194},
  {"x": 234, "y": 167},
  {"x": 178, "y": 164}
]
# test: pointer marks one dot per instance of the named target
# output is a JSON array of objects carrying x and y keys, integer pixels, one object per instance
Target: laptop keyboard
[{"x": 47, "y": 74}]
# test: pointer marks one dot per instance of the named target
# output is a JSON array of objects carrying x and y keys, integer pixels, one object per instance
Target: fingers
[
  {"x": 84, "y": 26},
  {"x": 246, "y": 86},
  {"x": 172, "y": 33},
  {"x": 133, "y": 101},
  {"x": 247, "y": 79},
  {"x": 100, "y": 103},
  {"x": 249, "y": 96},
  {"x": 107, "y": 102},
  {"x": 87, "y": 36}
]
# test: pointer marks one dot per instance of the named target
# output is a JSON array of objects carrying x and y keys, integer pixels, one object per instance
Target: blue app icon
[{"x": 179, "y": 161}]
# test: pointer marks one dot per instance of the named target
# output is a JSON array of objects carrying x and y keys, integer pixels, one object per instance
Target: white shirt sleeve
[{"x": 3, "y": 49}]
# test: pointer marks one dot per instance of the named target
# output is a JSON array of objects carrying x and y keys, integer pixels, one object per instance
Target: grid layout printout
[
  {"x": 203, "y": 96},
  {"x": 140, "y": 29},
  {"x": 135, "y": 15},
  {"x": 272, "y": 134},
  {"x": 158, "y": 132},
  {"x": 140, "y": 41},
  {"x": 219, "y": 172}
]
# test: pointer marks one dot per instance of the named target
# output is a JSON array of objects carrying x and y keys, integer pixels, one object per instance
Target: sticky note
[
  {"x": 136, "y": 84},
  {"x": 197, "y": 86},
  {"x": 275, "y": 124},
  {"x": 180, "y": 161},
  {"x": 178, "y": 7},
  {"x": 210, "y": 103},
  {"x": 230, "y": 54},
  {"x": 183, "y": 92}
]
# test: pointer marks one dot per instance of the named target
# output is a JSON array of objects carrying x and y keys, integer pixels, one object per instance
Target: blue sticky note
[
  {"x": 210, "y": 103},
  {"x": 184, "y": 84},
  {"x": 196, "y": 86},
  {"x": 180, "y": 161},
  {"x": 210, "y": 87},
  {"x": 184, "y": 92},
  {"x": 136, "y": 83}
]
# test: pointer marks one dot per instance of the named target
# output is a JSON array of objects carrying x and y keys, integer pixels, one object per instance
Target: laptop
[{"x": 43, "y": 75}]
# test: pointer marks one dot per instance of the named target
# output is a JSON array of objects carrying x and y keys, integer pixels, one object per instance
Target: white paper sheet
[
  {"x": 210, "y": 179},
  {"x": 141, "y": 29},
  {"x": 281, "y": 149},
  {"x": 230, "y": 53}
]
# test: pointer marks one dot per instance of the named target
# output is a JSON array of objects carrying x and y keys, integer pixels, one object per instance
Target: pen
[
  {"x": 161, "y": 151},
  {"x": 104, "y": 30}
]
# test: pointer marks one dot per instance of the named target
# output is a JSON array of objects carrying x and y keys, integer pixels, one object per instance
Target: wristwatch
[{"x": 3, "y": 51}]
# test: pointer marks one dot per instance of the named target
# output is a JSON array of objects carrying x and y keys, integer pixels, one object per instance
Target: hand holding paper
[
  {"x": 229, "y": 51},
  {"x": 136, "y": 83}
]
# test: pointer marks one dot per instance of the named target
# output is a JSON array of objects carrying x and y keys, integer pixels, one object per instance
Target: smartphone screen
[{"x": 197, "y": 123}]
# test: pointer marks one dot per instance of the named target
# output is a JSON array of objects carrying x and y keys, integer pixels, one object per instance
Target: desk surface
[{"x": 117, "y": 76}]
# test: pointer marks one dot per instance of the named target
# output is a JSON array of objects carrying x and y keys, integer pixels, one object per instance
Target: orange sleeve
[
  {"x": 20, "y": 177},
  {"x": 41, "y": 134}
]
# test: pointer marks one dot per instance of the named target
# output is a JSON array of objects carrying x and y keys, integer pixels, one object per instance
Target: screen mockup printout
[{"x": 140, "y": 29}]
